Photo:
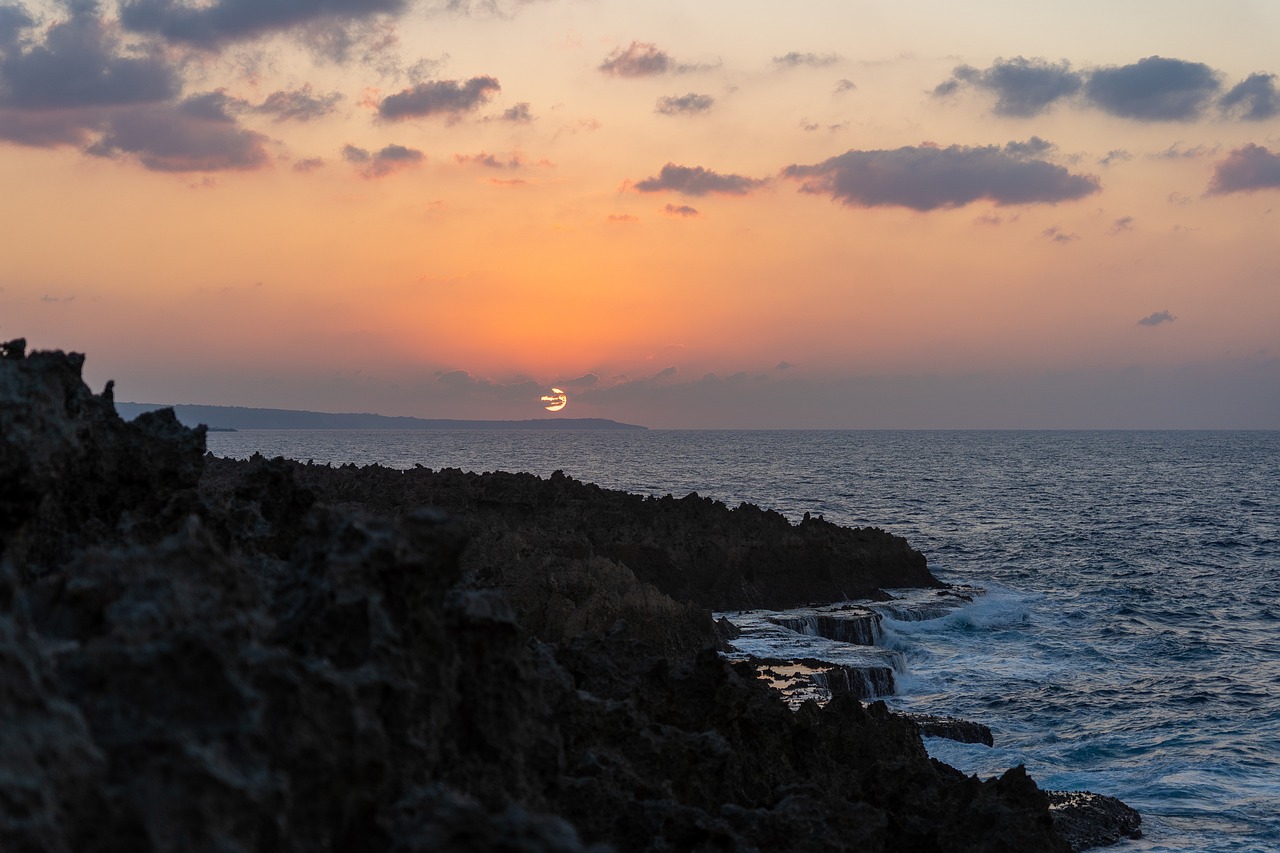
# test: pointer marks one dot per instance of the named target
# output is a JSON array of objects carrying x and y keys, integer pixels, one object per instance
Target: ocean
[{"x": 1129, "y": 639}]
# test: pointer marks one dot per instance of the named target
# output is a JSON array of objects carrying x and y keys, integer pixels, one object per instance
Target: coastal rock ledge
[{"x": 197, "y": 654}]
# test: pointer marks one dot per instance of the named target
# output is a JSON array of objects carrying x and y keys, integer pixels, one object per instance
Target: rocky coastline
[{"x": 207, "y": 654}]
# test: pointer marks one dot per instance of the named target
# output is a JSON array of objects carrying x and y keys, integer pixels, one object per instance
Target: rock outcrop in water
[{"x": 263, "y": 662}]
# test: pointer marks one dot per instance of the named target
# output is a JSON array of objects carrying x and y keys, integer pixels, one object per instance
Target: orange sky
[{"x": 749, "y": 214}]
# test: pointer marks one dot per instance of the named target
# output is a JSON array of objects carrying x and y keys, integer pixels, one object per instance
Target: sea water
[{"x": 1129, "y": 640}]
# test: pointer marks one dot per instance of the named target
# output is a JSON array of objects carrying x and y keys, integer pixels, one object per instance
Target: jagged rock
[
  {"x": 952, "y": 728},
  {"x": 273, "y": 663},
  {"x": 1089, "y": 820}
]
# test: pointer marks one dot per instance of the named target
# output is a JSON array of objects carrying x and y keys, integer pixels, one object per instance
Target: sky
[{"x": 847, "y": 214}]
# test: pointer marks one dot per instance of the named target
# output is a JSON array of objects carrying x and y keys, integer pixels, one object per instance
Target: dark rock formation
[
  {"x": 692, "y": 548},
  {"x": 1089, "y": 820},
  {"x": 952, "y": 728},
  {"x": 293, "y": 659}
]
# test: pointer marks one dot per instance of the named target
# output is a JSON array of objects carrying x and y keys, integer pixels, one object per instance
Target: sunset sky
[{"x": 906, "y": 214}]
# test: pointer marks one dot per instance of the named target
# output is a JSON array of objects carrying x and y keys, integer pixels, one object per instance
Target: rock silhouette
[{"x": 204, "y": 655}]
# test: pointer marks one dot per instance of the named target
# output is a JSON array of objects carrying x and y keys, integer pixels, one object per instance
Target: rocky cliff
[{"x": 279, "y": 658}]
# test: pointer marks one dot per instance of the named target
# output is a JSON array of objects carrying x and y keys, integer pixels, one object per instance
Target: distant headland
[{"x": 219, "y": 418}]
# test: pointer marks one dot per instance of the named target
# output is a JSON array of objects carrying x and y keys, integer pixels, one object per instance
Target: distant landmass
[{"x": 240, "y": 417}]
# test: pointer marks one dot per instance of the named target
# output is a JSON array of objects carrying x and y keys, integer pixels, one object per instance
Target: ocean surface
[{"x": 1129, "y": 639}]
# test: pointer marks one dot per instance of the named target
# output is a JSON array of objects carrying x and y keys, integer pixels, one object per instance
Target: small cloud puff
[
  {"x": 683, "y": 210},
  {"x": 690, "y": 104},
  {"x": 1157, "y": 319},
  {"x": 795, "y": 59},
  {"x": 299, "y": 104},
  {"x": 1245, "y": 170},
  {"x": 697, "y": 181},
  {"x": 376, "y": 164},
  {"x": 638, "y": 59},
  {"x": 438, "y": 97}
]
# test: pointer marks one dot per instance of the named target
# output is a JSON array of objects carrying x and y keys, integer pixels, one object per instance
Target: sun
[{"x": 555, "y": 401}]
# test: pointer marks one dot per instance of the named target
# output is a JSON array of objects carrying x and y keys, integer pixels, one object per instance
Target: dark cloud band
[
  {"x": 928, "y": 178},
  {"x": 439, "y": 97}
]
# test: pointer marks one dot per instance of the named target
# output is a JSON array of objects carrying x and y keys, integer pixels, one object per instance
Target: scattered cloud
[
  {"x": 1033, "y": 147},
  {"x": 1157, "y": 319},
  {"x": 783, "y": 365},
  {"x": 1245, "y": 170},
  {"x": 697, "y": 181},
  {"x": 376, "y": 164},
  {"x": 1177, "y": 152},
  {"x": 196, "y": 135},
  {"x": 299, "y": 104},
  {"x": 1057, "y": 235},
  {"x": 621, "y": 217},
  {"x": 638, "y": 59},
  {"x": 683, "y": 210},
  {"x": 795, "y": 59},
  {"x": 1153, "y": 89},
  {"x": 690, "y": 104},
  {"x": 439, "y": 97},
  {"x": 844, "y": 85},
  {"x": 1023, "y": 87},
  {"x": 519, "y": 114},
  {"x": 310, "y": 164},
  {"x": 489, "y": 161},
  {"x": 1124, "y": 223},
  {"x": 929, "y": 177},
  {"x": 213, "y": 23},
  {"x": 1116, "y": 155},
  {"x": 1254, "y": 99}
]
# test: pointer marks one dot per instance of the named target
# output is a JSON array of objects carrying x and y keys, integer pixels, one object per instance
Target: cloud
[
  {"x": 928, "y": 178},
  {"x": 680, "y": 210},
  {"x": 1057, "y": 235},
  {"x": 1023, "y": 87},
  {"x": 638, "y": 59},
  {"x": 1156, "y": 319},
  {"x": 308, "y": 165},
  {"x": 1254, "y": 99},
  {"x": 210, "y": 24},
  {"x": 689, "y": 104},
  {"x": 666, "y": 373},
  {"x": 519, "y": 114},
  {"x": 587, "y": 380},
  {"x": 1033, "y": 147},
  {"x": 80, "y": 63},
  {"x": 448, "y": 97},
  {"x": 1115, "y": 155},
  {"x": 783, "y": 365},
  {"x": 813, "y": 60},
  {"x": 460, "y": 386},
  {"x": 844, "y": 85},
  {"x": 59, "y": 90},
  {"x": 622, "y": 217},
  {"x": 299, "y": 104},
  {"x": 1245, "y": 170},
  {"x": 697, "y": 181},
  {"x": 1153, "y": 89},
  {"x": 195, "y": 135},
  {"x": 490, "y": 161},
  {"x": 1124, "y": 223},
  {"x": 376, "y": 164}
]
